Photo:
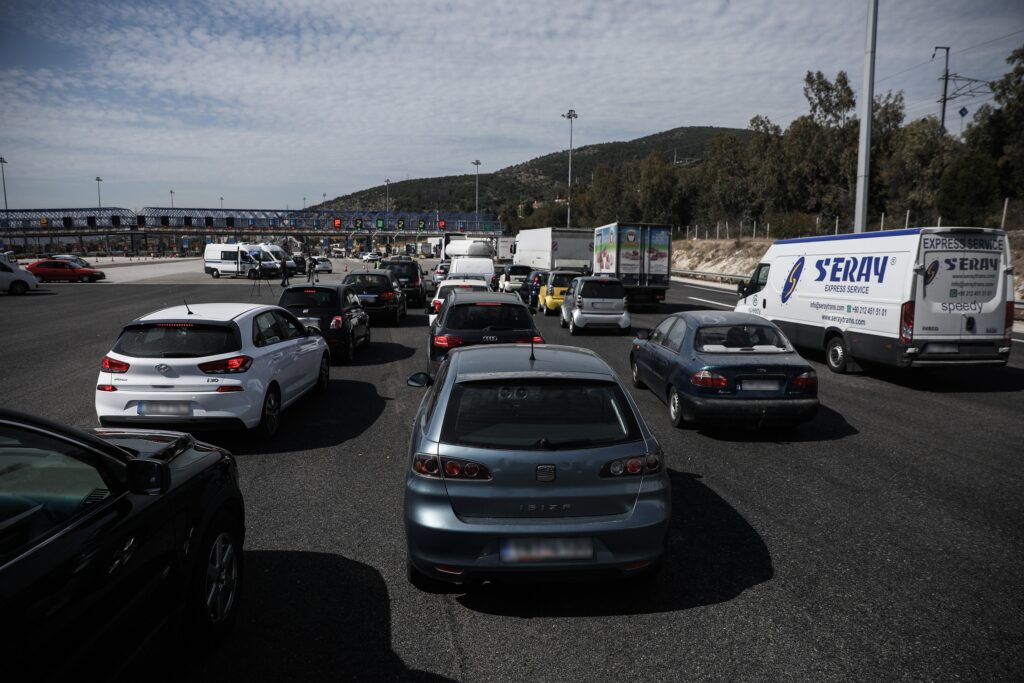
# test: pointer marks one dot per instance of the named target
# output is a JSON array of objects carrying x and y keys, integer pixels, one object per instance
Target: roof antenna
[{"x": 187, "y": 308}]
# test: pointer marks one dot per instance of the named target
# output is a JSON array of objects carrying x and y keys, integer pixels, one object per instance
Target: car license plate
[
  {"x": 163, "y": 408},
  {"x": 943, "y": 348},
  {"x": 759, "y": 385},
  {"x": 368, "y": 298},
  {"x": 546, "y": 549}
]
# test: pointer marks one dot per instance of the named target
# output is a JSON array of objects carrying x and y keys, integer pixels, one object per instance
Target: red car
[{"x": 53, "y": 270}]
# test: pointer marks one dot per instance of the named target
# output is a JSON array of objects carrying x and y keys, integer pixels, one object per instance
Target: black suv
[
  {"x": 469, "y": 318},
  {"x": 380, "y": 293},
  {"x": 335, "y": 310},
  {"x": 410, "y": 276}
]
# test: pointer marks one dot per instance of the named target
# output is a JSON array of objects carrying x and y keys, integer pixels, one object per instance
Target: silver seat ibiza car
[{"x": 531, "y": 460}]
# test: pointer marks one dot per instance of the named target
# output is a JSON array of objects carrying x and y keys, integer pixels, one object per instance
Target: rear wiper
[{"x": 550, "y": 445}]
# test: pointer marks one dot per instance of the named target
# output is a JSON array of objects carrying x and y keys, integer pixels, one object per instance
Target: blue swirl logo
[
  {"x": 792, "y": 279},
  {"x": 931, "y": 272}
]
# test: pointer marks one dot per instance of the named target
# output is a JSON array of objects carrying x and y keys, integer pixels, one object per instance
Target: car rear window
[
  {"x": 563, "y": 279},
  {"x": 310, "y": 297},
  {"x": 365, "y": 282},
  {"x": 739, "y": 338},
  {"x": 484, "y": 316},
  {"x": 594, "y": 289},
  {"x": 445, "y": 292},
  {"x": 538, "y": 415},
  {"x": 518, "y": 270},
  {"x": 408, "y": 270},
  {"x": 177, "y": 340}
]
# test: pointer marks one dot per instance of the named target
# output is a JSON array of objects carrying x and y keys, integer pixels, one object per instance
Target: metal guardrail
[{"x": 727, "y": 277}]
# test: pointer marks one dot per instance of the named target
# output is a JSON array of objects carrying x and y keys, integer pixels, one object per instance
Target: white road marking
[
  {"x": 1019, "y": 341},
  {"x": 708, "y": 301}
]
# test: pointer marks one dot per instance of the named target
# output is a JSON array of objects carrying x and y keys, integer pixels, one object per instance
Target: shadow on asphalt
[
  {"x": 380, "y": 352},
  {"x": 953, "y": 380},
  {"x": 316, "y": 420},
  {"x": 827, "y": 425},
  {"x": 303, "y": 616},
  {"x": 713, "y": 555}
]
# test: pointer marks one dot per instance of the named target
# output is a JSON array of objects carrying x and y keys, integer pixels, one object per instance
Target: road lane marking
[{"x": 708, "y": 301}]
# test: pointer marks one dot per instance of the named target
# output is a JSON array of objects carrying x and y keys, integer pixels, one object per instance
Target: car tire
[
  {"x": 837, "y": 355},
  {"x": 18, "y": 288},
  {"x": 323, "y": 375},
  {"x": 561, "y": 321},
  {"x": 83, "y": 278},
  {"x": 217, "y": 580},
  {"x": 215, "y": 273},
  {"x": 573, "y": 330},
  {"x": 675, "y": 408},
  {"x": 634, "y": 373},
  {"x": 421, "y": 581},
  {"x": 252, "y": 274},
  {"x": 398, "y": 317},
  {"x": 350, "y": 349},
  {"x": 270, "y": 415},
  {"x": 366, "y": 337}
]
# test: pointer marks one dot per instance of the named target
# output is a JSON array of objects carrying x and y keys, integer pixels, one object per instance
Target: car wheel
[
  {"x": 18, "y": 288},
  {"x": 675, "y": 409},
  {"x": 573, "y": 330},
  {"x": 323, "y": 377},
  {"x": 270, "y": 417},
  {"x": 398, "y": 317},
  {"x": 366, "y": 337},
  {"x": 215, "y": 273},
  {"x": 350, "y": 349},
  {"x": 83, "y": 278},
  {"x": 252, "y": 274},
  {"x": 561, "y": 321},
  {"x": 837, "y": 355},
  {"x": 634, "y": 372},
  {"x": 217, "y": 580}
]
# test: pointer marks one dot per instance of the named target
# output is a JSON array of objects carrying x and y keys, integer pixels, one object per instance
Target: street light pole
[
  {"x": 303, "y": 203},
  {"x": 3, "y": 176},
  {"x": 99, "y": 200},
  {"x": 571, "y": 114},
  {"x": 477, "y": 164},
  {"x": 222, "y": 202},
  {"x": 172, "y": 199},
  {"x": 387, "y": 201}
]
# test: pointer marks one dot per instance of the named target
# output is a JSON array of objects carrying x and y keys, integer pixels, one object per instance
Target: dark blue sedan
[{"x": 725, "y": 367}]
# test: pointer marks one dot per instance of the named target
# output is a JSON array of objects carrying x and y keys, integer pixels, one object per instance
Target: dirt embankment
[{"x": 740, "y": 257}]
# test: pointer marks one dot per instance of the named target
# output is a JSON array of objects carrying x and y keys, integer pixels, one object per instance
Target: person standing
[
  {"x": 311, "y": 270},
  {"x": 284, "y": 271}
]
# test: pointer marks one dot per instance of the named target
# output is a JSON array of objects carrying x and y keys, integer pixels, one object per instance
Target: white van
[
  {"x": 473, "y": 265},
  {"x": 917, "y": 297},
  {"x": 244, "y": 260},
  {"x": 278, "y": 253},
  {"x": 13, "y": 278}
]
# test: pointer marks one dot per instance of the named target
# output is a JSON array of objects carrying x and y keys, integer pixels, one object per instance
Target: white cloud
[{"x": 268, "y": 100}]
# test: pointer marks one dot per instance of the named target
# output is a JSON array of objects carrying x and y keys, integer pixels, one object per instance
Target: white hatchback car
[
  {"x": 446, "y": 288},
  {"x": 211, "y": 365},
  {"x": 14, "y": 279}
]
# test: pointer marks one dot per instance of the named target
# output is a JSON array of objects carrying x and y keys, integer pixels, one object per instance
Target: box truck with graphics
[
  {"x": 918, "y": 297},
  {"x": 639, "y": 255}
]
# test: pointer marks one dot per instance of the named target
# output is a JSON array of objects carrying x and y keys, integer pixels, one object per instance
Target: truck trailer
[
  {"x": 637, "y": 254},
  {"x": 551, "y": 248}
]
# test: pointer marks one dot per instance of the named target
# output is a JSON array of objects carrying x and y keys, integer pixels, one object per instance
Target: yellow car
[{"x": 552, "y": 290}]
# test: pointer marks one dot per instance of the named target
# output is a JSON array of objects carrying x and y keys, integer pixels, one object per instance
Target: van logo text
[{"x": 851, "y": 268}]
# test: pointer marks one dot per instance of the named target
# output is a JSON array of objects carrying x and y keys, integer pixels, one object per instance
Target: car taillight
[
  {"x": 105, "y": 387},
  {"x": 426, "y": 465},
  {"x": 808, "y": 380},
  {"x": 387, "y": 296},
  {"x": 437, "y": 305},
  {"x": 337, "y": 322},
  {"x": 907, "y": 322},
  {"x": 708, "y": 380},
  {"x": 631, "y": 466},
  {"x": 536, "y": 339},
  {"x": 447, "y": 341},
  {"x": 452, "y": 468},
  {"x": 112, "y": 365},
  {"x": 226, "y": 366},
  {"x": 229, "y": 388}
]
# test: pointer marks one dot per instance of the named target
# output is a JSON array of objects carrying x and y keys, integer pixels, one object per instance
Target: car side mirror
[
  {"x": 741, "y": 290},
  {"x": 148, "y": 477},
  {"x": 419, "y": 380},
  {"x": 643, "y": 333},
  {"x": 313, "y": 332}
]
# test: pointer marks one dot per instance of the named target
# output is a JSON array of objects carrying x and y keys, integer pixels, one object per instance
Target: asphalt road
[{"x": 883, "y": 540}]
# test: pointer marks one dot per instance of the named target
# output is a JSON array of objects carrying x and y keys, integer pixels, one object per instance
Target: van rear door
[{"x": 963, "y": 290}]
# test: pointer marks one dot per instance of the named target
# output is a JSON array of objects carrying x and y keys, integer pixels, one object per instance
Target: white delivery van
[
  {"x": 244, "y": 260},
  {"x": 278, "y": 253},
  {"x": 908, "y": 298},
  {"x": 473, "y": 266}
]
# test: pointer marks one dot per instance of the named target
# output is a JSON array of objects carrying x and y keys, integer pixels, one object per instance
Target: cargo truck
[
  {"x": 637, "y": 254},
  {"x": 551, "y": 248}
]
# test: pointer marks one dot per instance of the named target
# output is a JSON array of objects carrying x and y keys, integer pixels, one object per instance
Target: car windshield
[
  {"x": 177, "y": 340},
  {"x": 741, "y": 338},
  {"x": 310, "y": 297},
  {"x": 402, "y": 269},
  {"x": 563, "y": 279},
  {"x": 488, "y": 316},
  {"x": 595, "y": 289},
  {"x": 518, "y": 270},
  {"x": 538, "y": 415}
]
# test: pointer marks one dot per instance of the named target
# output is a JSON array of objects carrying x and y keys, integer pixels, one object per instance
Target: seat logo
[
  {"x": 931, "y": 272},
  {"x": 792, "y": 279},
  {"x": 545, "y": 472}
]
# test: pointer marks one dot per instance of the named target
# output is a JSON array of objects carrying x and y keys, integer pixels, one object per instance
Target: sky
[{"x": 265, "y": 102}]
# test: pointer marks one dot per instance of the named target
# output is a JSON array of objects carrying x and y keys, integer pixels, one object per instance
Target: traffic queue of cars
[{"x": 526, "y": 457}]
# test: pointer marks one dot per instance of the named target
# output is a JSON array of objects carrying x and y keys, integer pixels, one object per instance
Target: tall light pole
[
  {"x": 477, "y": 164},
  {"x": 4, "y": 178},
  {"x": 945, "y": 85},
  {"x": 860, "y": 207},
  {"x": 387, "y": 200},
  {"x": 303, "y": 203},
  {"x": 571, "y": 114},
  {"x": 172, "y": 199},
  {"x": 325, "y": 198},
  {"x": 99, "y": 200},
  {"x": 222, "y": 202}
]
